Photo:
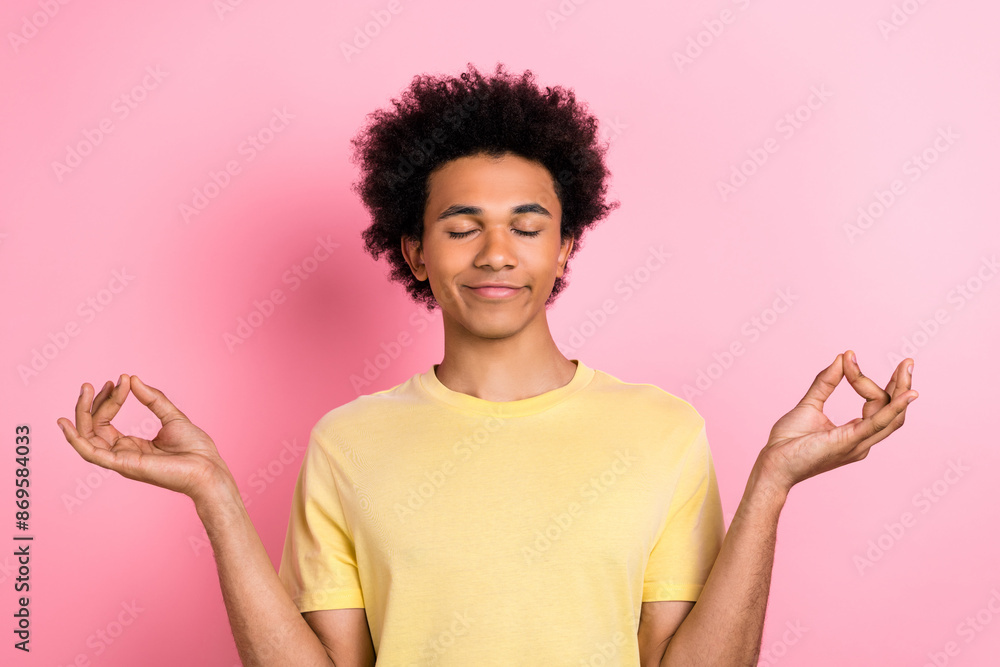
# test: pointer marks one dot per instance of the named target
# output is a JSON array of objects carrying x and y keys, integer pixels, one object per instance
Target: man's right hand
[
  {"x": 181, "y": 457},
  {"x": 268, "y": 627}
]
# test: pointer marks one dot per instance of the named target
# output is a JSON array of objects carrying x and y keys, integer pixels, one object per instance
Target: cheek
[
  {"x": 444, "y": 265},
  {"x": 549, "y": 258}
]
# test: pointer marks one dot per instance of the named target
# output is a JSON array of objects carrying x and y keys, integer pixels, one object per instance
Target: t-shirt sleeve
[
  {"x": 318, "y": 562},
  {"x": 685, "y": 552}
]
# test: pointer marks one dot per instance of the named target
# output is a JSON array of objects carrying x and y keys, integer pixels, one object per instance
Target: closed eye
[{"x": 458, "y": 235}]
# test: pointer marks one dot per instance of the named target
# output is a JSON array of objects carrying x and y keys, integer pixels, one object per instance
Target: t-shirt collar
[{"x": 429, "y": 382}]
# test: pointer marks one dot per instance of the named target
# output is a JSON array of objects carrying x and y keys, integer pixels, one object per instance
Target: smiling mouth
[{"x": 496, "y": 292}]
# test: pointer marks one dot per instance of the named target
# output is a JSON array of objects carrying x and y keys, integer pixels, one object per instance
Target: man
[{"x": 509, "y": 505}]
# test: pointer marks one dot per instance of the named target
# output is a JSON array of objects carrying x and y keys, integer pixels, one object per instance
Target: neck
[{"x": 510, "y": 368}]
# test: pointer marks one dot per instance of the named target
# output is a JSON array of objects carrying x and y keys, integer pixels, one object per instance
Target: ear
[
  {"x": 564, "y": 250},
  {"x": 414, "y": 256}
]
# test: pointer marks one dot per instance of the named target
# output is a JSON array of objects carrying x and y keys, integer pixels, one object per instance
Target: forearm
[
  {"x": 724, "y": 627},
  {"x": 268, "y": 628}
]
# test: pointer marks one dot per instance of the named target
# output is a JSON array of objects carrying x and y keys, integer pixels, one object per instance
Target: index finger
[
  {"x": 84, "y": 421},
  {"x": 156, "y": 401},
  {"x": 902, "y": 379},
  {"x": 86, "y": 449},
  {"x": 109, "y": 405},
  {"x": 873, "y": 425},
  {"x": 862, "y": 384}
]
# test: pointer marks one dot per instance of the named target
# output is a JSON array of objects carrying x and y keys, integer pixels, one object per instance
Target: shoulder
[
  {"x": 645, "y": 399},
  {"x": 367, "y": 411}
]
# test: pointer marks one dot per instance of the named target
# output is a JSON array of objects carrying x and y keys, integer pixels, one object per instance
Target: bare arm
[
  {"x": 268, "y": 629},
  {"x": 724, "y": 627},
  {"x": 267, "y": 626}
]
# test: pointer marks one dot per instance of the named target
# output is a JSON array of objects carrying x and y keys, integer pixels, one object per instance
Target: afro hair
[{"x": 441, "y": 119}]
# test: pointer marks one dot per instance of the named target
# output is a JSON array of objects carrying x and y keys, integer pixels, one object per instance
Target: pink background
[{"x": 677, "y": 129}]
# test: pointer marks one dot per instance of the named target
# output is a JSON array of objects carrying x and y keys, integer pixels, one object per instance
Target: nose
[{"x": 497, "y": 251}]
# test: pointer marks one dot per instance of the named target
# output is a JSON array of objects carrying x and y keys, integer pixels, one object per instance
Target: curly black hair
[{"x": 441, "y": 119}]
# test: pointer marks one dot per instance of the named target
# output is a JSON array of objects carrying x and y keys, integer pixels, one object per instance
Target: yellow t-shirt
[{"x": 524, "y": 532}]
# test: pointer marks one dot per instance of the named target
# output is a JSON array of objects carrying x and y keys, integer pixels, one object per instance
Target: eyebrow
[{"x": 464, "y": 209}]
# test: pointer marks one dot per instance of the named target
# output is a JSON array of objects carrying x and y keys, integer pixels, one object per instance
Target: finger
[
  {"x": 96, "y": 455},
  {"x": 890, "y": 388},
  {"x": 101, "y": 396},
  {"x": 84, "y": 423},
  {"x": 105, "y": 412},
  {"x": 824, "y": 384},
  {"x": 862, "y": 384},
  {"x": 862, "y": 447},
  {"x": 883, "y": 419},
  {"x": 902, "y": 379},
  {"x": 155, "y": 400}
]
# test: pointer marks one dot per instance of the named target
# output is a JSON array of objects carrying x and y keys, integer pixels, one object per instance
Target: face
[{"x": 490, "y": 220}]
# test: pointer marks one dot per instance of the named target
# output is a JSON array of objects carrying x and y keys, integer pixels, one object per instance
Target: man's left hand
[{"x": 804, "y": 442}]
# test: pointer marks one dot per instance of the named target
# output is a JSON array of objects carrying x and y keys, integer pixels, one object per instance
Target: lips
[
  {"x": 495, "y": 292},
  {"x": 493, "y": 284}
]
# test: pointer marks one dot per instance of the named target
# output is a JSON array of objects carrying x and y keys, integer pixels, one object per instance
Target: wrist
[
  {"x": 218, "y": 490},
  {"x": 766, "y": 488}
]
